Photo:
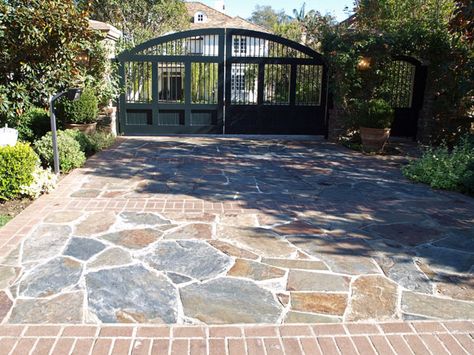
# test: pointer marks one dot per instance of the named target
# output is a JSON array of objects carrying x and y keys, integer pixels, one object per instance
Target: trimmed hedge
[{"x": 17, "y": 165}]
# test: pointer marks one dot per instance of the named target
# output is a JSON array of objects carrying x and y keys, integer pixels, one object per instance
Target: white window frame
[
  {"x": 240, "y": 45},
  {"x": 200, "y": 17}
]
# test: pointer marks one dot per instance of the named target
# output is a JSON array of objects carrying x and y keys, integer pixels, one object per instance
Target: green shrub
[
  {"x": 17, "y": 165},
  {"x": 70, "y": 154},
  {"x": 93, "y": 142},
  {"x": 33, "y": 124},
  {"x": 375, "y": 113},
  {"x": 442, "y": 168},
  {"x": 101, "y": 140},
  {"x": 83, "y": 139},
  {"x": 467, "y": 181},
  {"x": 83, "y": 110},
  {"x": 44, "y": 181}
]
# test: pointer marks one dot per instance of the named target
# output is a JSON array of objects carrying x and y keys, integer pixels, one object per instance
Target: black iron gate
[
  {"x": 222, "y": 81},
  {"x": 407, "y": 86}
]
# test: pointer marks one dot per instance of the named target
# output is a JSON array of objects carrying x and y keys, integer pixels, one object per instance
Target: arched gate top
[{"x": 211, "y": 39}]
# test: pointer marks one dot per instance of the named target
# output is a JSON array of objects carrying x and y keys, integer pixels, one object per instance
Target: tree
[
  {"x": 300, "y": 14},
  {"x": 439, "y": 32},
  {"x": 139, "y": 20},
  {"x": 268, "y": 17},
  {"x": 41, "y": 40}
]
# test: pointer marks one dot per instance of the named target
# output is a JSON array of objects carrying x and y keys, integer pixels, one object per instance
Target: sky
[{"x": 244, "y": 8}]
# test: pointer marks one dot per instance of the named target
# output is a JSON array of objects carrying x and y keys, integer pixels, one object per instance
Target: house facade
[{"x": 244, "y": 78}]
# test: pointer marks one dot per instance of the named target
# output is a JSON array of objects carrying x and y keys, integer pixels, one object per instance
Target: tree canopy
[{"x": 139, "y": 20}]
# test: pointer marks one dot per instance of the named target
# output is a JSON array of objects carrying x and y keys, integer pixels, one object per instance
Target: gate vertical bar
[
  {"x": 222, "y": 80},
  {"x": 187, "y": 93},
  {"x": 122, "y": 99},
  {"x": 293, "y": 85},
  {"x": 155, "y": 94}
]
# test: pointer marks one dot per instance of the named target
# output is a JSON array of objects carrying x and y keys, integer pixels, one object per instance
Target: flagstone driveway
[{"x": 221, "y": 230}]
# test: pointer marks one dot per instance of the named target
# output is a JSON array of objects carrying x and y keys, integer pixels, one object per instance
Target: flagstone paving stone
[
  {"x": 259, "y": 240},
  {"x": 190, "y": 231},
  {"x": 315, "y": 281},
  {"x": 131, "y": 294},
  {"x": 232, "y": 250},
  {"x": 254, "y": 270},
  {"x": 143, "y": 219},
  {"x": 208, "y": 230},
  {"x": 373, "y": 297},
  {"x": 194, "y": 259},
  {"x": 403, "y": 270},
  {"x": 46, "y": 241},
  {"x": 8, "y": 274},
  {"x": 83, "y": 248},
  {"x": 319, "y": 302},
  {"x": 94, "y": 223},
  {"x": 64, "y": 308},
  {"x": 133, "y": 238},
  {"x": 50, "y": 278},
  {"x": 228, "y": 300},
  {"x": 436, "y": 307},
  {"x": 111, "y": 257}
]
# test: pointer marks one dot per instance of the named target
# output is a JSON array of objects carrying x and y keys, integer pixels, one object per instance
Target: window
[
  {"x": 240, "y": 45},
  {"x": 244, "y": 84},
  {"x": 171, "y": 77},
  {"x": 199, "y": 17},
  {"x": 238, "y": 82}
]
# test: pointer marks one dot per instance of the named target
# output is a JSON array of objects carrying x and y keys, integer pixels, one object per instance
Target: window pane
[
  {"x": 171, "y": 82},
  {"x": 207, "y": 45},
  {"x": 277, "y": 84},
  {"x": 244, "y": 84}
]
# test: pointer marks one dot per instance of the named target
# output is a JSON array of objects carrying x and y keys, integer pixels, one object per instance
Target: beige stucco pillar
[{"x": 111, "y": 36}]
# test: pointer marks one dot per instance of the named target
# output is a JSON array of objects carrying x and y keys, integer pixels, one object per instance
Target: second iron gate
[{"x": 217, "y": 81}]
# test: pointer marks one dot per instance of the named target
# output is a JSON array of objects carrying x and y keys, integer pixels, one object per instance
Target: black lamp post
[{"x": 72, "y": 95}]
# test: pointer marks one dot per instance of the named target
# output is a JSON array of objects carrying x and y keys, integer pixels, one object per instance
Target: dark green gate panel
[{"x": 222, "y": 81}]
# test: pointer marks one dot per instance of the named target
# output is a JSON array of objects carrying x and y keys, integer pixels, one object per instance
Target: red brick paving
[{"x": 448, "y": 337}]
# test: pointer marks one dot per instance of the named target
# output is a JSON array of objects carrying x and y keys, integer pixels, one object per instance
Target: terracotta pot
[
  {"x": 374, "y": 139},
  {"x": 83, "y": 127}
]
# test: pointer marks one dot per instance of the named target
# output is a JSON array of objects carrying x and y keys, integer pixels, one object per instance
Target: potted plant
[
  {"x": 81, "y": 114},
  {"x": 374, "y": 119}
]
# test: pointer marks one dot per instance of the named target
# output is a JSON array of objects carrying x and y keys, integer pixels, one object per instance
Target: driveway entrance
[{"x": 225, "y": 230}]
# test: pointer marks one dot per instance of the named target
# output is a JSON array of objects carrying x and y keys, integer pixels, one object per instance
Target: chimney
[{"x": 219, "y": 5}]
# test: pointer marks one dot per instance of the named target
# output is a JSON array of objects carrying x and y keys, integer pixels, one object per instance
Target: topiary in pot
[
  {"x": 81, "y": 114},
  {"x": 374, "y": 119}
]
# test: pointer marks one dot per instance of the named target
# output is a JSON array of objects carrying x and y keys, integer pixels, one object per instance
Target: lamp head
[{"x": 74, "y": 94}]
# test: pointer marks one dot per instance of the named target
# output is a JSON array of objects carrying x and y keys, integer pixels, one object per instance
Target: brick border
[{"x": 447, "y": 337}]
